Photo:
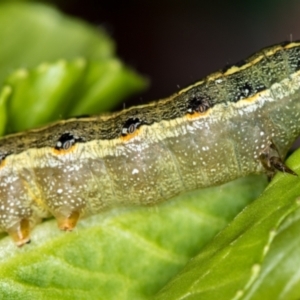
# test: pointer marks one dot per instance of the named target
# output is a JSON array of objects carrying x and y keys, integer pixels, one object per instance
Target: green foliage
[
  {"x": 216, "y": 243},
  {"x": 55, "y": 67}
]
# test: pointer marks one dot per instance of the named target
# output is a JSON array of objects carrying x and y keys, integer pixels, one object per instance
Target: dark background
[{"x": 175, "y": 43}]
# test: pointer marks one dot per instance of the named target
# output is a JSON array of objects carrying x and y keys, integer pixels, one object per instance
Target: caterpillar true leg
[
  {"x": 272, "y": 162},
  {"x": 67, "y": 222},
  {"x": 20, "y": 232}
]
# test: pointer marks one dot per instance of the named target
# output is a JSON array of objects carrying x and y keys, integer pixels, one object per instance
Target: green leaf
[
  {"x": 67, "y": 88},
  {"x": 33, "y": 33},
  {"x": 121, "y": 254},
  {"x": 256, "y": 256},
  {"x": 109, "y": 83},
  {"x": 56, "y": 67}
]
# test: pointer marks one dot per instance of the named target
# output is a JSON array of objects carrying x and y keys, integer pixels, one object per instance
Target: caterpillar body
[{"x": 238, "y": 121}]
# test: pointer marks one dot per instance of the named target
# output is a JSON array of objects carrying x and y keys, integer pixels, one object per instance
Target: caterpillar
[{"x": 238, "y": 121}]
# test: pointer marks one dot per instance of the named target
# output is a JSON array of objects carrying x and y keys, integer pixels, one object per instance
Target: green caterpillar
[{"x": 238, "y": 121}]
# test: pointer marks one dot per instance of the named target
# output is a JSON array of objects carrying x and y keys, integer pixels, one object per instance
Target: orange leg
[
  {"x": 20, "y": 232},
  {"x": 67, "y": 223}
]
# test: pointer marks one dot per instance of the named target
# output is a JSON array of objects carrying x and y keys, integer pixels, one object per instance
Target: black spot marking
[
  {"x": 2, "y": 157},
  {"x": 131, "y": 125},
  {"x": 66, "y": 141},
  {"x": 247, "y": 90},
  {"x": 198, "y": 104},
  {"x": 244, "y": 91}
]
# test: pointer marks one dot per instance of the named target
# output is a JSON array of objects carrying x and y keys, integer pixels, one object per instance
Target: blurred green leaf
[
  {"x": 108, "y": 83},
  {"x": 65, "y": 89},
  {"x": 33, "y": 33},
  {"x": 56, "y": 67}
]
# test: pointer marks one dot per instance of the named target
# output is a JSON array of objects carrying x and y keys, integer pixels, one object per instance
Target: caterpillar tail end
[{"x": 20, "y": 232}]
